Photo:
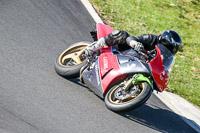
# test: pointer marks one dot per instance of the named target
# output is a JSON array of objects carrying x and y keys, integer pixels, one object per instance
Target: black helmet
[{"x": 171, "y": 40}]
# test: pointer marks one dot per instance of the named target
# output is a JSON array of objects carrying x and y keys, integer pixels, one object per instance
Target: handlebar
[
  {"x": 144, "y": 54},
  {"x": 148, "y": 55}
]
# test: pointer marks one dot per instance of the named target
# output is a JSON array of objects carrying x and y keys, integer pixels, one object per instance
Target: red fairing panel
[
  {"x": 109, "y": 69},
  {"x": 108, "y": 63},
  {"x": 103, "y": 30},
  {"x": 158, "y": 71}
]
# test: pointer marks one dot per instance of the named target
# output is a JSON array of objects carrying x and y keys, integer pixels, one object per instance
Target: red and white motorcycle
[{"x": 124, "y": 79}]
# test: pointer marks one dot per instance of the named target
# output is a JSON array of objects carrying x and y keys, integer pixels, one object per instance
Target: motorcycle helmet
[{"x": 171, "y": 40}]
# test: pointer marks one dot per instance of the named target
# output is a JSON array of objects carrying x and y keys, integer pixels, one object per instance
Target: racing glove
[
  {"x": 136, "y": 45},
  {"x": 95, "y": 46}
]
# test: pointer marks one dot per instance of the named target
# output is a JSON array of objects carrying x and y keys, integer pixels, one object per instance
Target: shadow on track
[
  {"x": 158, "y": 119},
  {"x": 77, "y": 81}
]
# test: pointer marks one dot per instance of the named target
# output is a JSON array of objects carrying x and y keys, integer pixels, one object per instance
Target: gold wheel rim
[
  {"x": 74, "y": 53},
  {"x": 119, "y": 101}
]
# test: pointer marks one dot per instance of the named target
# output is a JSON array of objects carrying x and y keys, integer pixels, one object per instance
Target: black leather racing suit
[{"x": 121, "y": 40}]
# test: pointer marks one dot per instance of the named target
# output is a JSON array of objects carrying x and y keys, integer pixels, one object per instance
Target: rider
[{"x": 123, "y": 41}]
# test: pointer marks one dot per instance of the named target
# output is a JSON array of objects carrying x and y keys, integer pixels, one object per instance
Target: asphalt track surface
[{"x": 34, "y": 99}]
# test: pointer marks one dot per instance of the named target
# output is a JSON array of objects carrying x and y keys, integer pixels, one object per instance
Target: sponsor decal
[
  {"x": 105, "y": 62},
  {"x": 97, "y": 75}
]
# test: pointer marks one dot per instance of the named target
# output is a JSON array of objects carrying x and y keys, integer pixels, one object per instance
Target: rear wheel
[
  {"x": 118, "y": 100},
  {"x": 69, "y": 62}
]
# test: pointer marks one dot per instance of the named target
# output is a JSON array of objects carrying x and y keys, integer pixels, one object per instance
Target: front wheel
[
  {"x": 118, "y": 100},
  {"x": 69, "y": 62}
]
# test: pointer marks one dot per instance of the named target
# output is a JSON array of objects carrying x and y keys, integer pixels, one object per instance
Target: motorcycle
[{"x": 126, "y": 79}]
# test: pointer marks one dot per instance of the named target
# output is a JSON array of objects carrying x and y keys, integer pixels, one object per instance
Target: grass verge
[{"x": 155, "y": 16}]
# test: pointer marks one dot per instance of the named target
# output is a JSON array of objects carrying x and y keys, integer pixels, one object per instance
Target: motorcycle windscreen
[{"x": 167, "y": 57}]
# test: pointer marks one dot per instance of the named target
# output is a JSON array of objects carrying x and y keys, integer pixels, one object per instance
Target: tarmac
[{"x": 187, "y": 111}]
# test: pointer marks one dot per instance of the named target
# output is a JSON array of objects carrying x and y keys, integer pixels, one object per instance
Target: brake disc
[{"x": 121, "y": 94}]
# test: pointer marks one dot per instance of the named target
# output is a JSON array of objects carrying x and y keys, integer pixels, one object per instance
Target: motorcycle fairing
[
  {"x": 131, "y": 65},
  {"x": 106, "y": 72},
  {"x": 95, "y": 76},
  {"x": 92, "y": 78},
  {"x": 158, "y": 71},
  {"x": 109, "y": 68}
]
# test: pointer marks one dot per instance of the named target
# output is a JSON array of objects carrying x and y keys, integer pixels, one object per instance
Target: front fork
[{"x": 126, "y": 84}]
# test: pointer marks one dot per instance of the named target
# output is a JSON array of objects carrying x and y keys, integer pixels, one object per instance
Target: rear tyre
[
  {"x": 69, "y": 62},
  {"x": 118, "y": 101}
]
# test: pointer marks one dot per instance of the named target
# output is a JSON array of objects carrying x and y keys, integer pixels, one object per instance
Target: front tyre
[
  {"x": 119, "y": 101},
  {"x": 69, "y": 62}
]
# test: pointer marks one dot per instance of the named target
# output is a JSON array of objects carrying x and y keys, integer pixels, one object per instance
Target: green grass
[{"x": 155, "y": 16}]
